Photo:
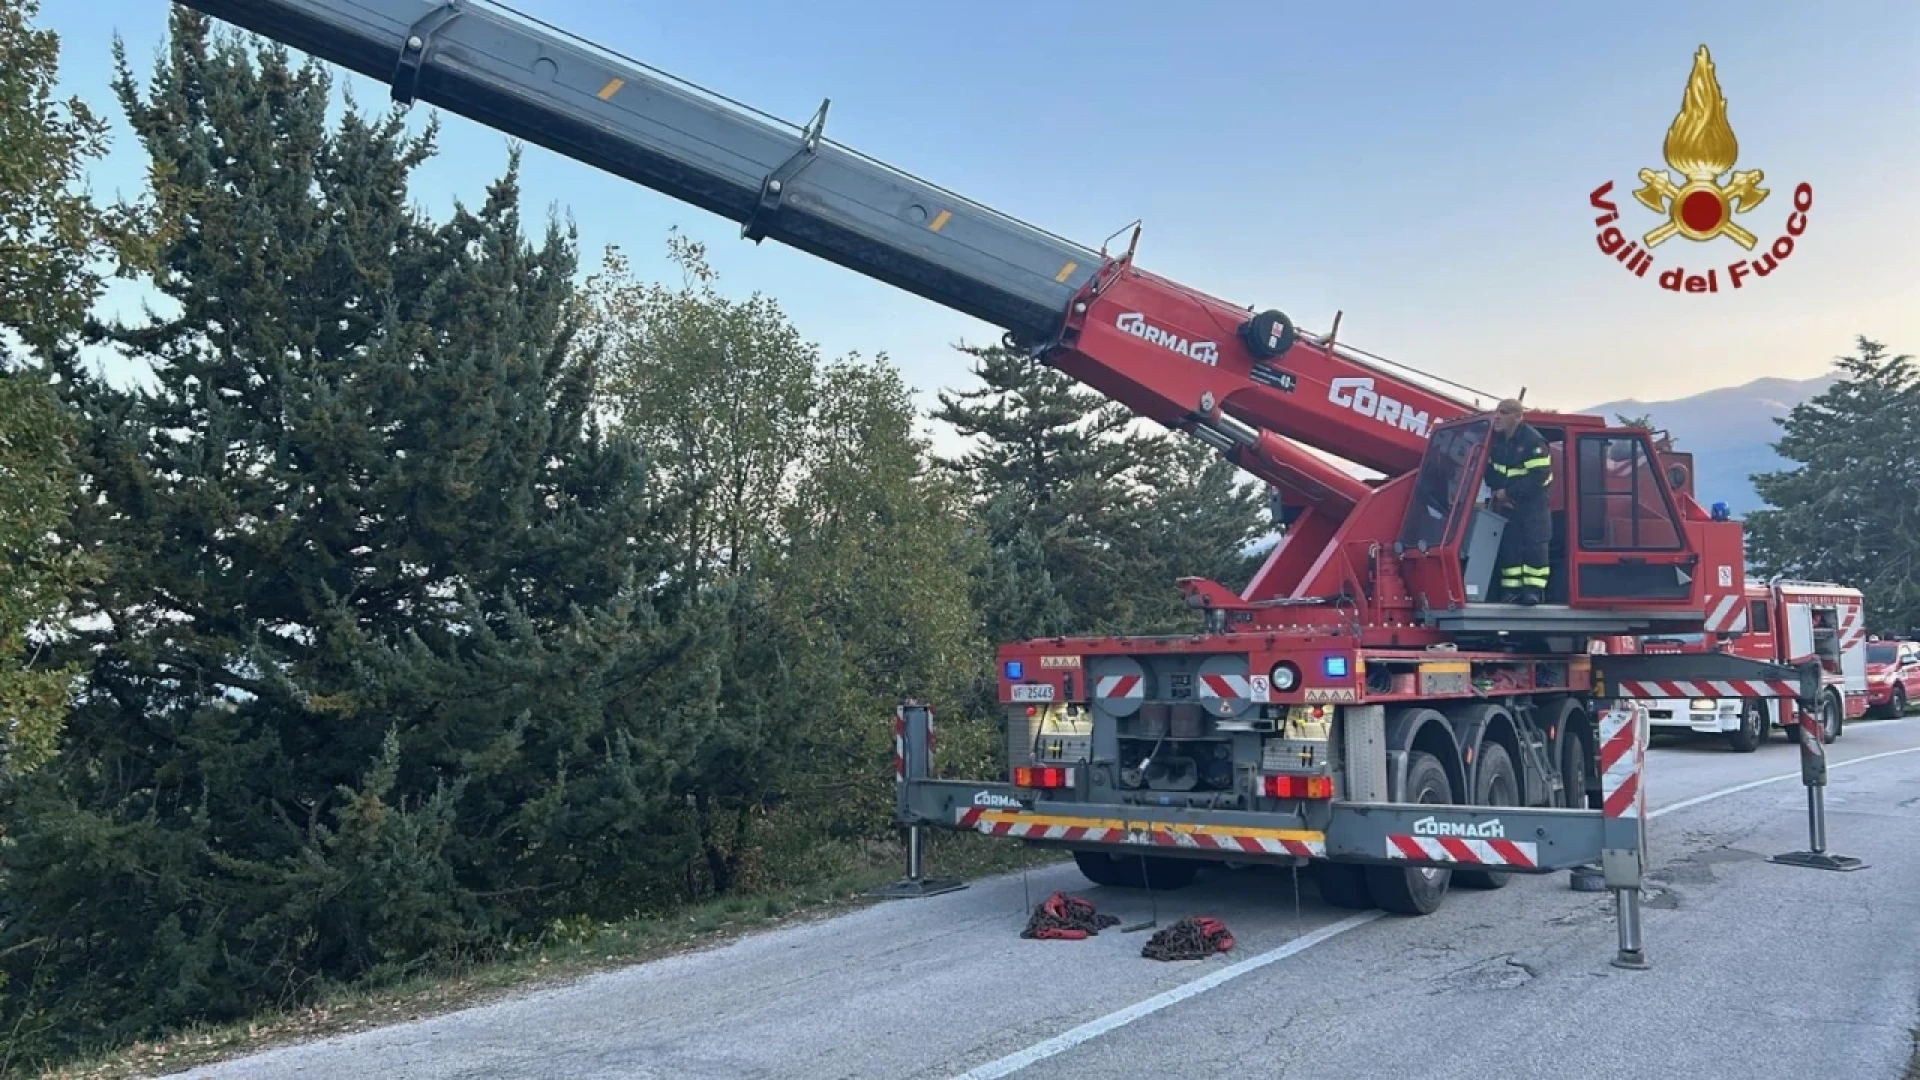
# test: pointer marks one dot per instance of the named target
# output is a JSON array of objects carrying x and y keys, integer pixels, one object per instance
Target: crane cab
[{"x": 1625, "y": 551}]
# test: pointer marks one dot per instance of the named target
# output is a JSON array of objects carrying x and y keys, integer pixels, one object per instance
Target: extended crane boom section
[
  {"x": 778, "y": 181},
  {"x": 1165, "y": 351}
]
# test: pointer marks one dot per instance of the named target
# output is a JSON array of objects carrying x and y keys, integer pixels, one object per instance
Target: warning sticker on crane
[{"x": 1700, "y": 146}]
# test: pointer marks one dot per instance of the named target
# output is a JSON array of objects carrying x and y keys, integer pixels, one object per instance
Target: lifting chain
[
  {"x": 1192, "y": 938},
  {"x": 1066, "y": 918}
]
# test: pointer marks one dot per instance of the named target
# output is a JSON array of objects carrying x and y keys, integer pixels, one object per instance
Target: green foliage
[
  {"x": 1051, "y": 462},
  {"x": 53, "y": 240},
  {"x": 36, "y": 477},
  {"x": 1088, "y": 525},
  {"x": 1850, "y": 510},
  {"x": 377, "y": 677},
  {"x": 53, "y": 236},
  {"x": 806, "y": 500},
  {"x": 719, "y": 390},
  {"x": 1195, "y": 516}
]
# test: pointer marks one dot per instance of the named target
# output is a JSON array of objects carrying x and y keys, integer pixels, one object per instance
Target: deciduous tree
[{"x": 57, "y": 244}]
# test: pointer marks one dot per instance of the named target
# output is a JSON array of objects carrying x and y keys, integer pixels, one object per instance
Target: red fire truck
[
  {"x": 1893, "y": 675},
  {"x": 1783, "y": 622}
]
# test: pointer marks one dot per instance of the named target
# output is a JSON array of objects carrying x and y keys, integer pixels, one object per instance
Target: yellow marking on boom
[
  {"x": 940, "y": 221},
  {"x": 613, "y": 87},
  {"x": 1065, "y": 270}
]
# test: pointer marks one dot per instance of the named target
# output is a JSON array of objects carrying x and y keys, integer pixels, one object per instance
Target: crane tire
[{"x": 1415, "y": 890}]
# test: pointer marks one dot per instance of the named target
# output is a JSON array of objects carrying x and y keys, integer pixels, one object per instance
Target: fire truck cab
[
  {"x": 1893, "y": 675},
  {"x": 1783, "y": 622}
]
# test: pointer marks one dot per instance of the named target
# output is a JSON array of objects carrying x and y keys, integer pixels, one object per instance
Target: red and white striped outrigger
[{"x": 1603, "y": 825}]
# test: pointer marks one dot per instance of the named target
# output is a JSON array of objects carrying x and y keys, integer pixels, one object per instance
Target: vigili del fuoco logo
[{"x": 1697, "y": 205}]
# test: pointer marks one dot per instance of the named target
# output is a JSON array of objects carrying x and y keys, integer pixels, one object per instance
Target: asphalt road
[{"x": 1759, "y": 971}]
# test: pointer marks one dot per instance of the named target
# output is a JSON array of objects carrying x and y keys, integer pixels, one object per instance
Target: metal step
[{"x": 1562, "y": 619}]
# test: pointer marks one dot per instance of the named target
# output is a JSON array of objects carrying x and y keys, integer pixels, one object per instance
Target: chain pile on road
[
  {"x": 1192, "y": 938},
  {"x": 1066, "y": 918}
]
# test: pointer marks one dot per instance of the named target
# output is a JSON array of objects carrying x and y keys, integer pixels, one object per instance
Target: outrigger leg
[
  {"x": 1623, "y": 860},
  {"x": 913, "y": 758},
  {"x": 1813, "y": 773}
]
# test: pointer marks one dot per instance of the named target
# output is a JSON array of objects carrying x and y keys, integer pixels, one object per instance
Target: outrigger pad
[
  {"x": 1818, "y": 860},
  {"x": 909, "y": 888}
]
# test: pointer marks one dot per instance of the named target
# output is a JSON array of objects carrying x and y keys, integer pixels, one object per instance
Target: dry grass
[{"x": 567, "y": 954}]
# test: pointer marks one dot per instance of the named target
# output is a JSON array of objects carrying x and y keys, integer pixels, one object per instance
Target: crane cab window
[
  {"x": 1445, "y": 471},
  {"x": 1622, "y": 505},
  {"x": 1758, "y": 621}
]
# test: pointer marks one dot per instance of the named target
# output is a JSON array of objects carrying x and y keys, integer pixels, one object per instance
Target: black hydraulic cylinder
[{"x": 494, "y": 66}]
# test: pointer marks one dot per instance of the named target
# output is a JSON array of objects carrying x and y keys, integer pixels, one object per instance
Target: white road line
[
  {"x": 1093, "y": 1029},
  {"x": 1751, "y": 784}
]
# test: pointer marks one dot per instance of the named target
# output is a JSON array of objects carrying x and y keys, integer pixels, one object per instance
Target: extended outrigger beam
[
  {"x": 1367, "y": 828},
  {"x": 913, "y": 756}
]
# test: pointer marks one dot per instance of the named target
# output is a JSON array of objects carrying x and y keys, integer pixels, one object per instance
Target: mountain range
[{"x": 1730, "y": 432}]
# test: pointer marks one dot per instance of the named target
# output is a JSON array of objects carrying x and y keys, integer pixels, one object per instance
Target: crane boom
[
  {"x": 1189, "y": 361},
  {"x": 494, "y": 66}
]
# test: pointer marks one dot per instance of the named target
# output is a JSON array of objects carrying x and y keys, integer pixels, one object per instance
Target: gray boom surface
[{"x": 495, "y": 66}]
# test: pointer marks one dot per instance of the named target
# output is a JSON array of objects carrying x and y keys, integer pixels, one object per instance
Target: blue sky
[{"x": 1424, "y": 167}]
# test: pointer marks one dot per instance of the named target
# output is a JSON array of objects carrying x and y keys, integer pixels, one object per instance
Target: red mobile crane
[{"x": 1357, "y": 705}]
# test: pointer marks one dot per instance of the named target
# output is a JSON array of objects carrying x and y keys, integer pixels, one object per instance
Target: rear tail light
[
  {"x": 1297, "y": 787},
  {"x": 1042, "y": 776}
]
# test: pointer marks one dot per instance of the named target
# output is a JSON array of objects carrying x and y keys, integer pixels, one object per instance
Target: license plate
[{"x": 1033, "y": 692}]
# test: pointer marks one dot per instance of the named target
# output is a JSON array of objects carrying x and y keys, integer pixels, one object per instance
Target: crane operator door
[
  {"x": 1627, "y": 543},
  {"x": 1616, "y": 536}
]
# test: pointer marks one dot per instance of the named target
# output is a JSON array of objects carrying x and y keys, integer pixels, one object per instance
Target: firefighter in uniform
[{"x": 1519, "y": 472}]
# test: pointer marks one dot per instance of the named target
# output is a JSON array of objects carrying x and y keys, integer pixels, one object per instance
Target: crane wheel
[
  {"x": 1499, "y": 786},
  {"x": 1268, "y": 335},
  {"x": 1135, "y": 871},
  {"x": 1343, "y": 885},
  {"x": 1415, "y": 890}
]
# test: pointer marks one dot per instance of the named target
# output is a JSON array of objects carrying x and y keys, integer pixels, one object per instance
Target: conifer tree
[
  {"x": 1849, "y": 511},
  {"x": 1051, "y": 462},
  {"x": 377, "y": 676},
  {"x": 1196, "y": 516}
]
